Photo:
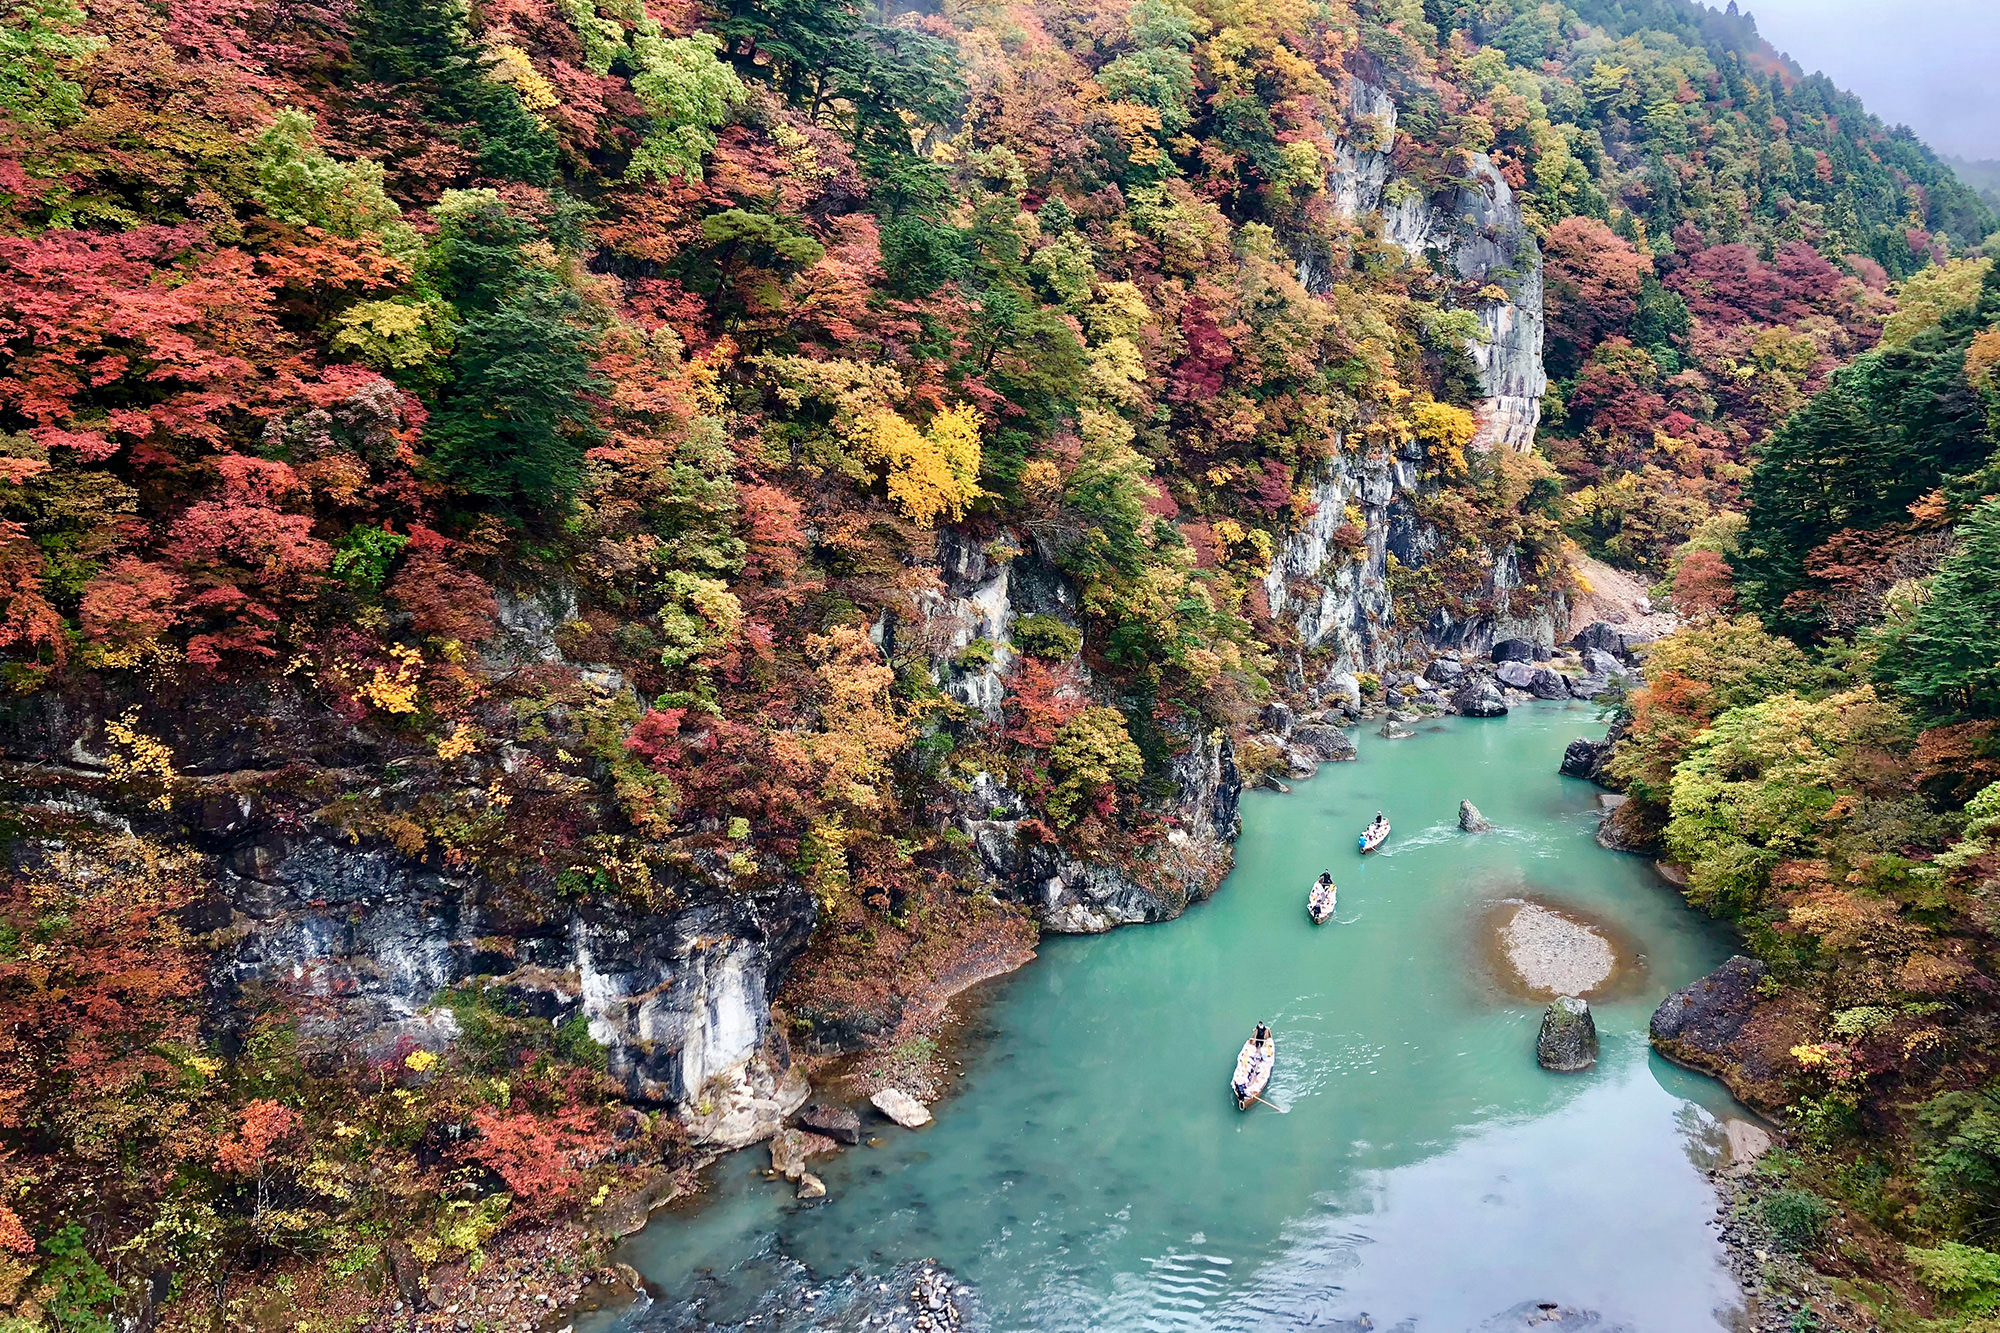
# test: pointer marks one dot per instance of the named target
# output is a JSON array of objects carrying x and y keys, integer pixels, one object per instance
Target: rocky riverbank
[{"x": 910, "y": 1298}]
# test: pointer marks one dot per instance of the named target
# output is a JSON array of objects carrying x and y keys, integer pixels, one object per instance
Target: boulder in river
[
  {"x": 1545, "y": 682},
  {"x": 1478, "y": 697},
  {"x": 1568, "y": 1040},
  {"x": 1471, "y": 820},
  {"x": 1515, "y": 675},
  {"x": 901, "y": 1107},
  {"x": 1588, "y": 687},
  {"x": 1323, "y": 743},
  {"x": 1584, "y": 759},
  {"x": 811, "y": 1186},
  {"x": 838, "y": 1123},
  {"x": 791, "y": 1147}
]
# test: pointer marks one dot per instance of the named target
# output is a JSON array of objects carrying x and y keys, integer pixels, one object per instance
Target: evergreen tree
[
  {"x": 515, "y": 423},
  {"x": 1890, "y": 428},
  {"x": 1947, "y": 656}
]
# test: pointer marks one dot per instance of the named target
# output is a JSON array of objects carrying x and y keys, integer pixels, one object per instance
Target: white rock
[{"x": 901, "y": 1107}]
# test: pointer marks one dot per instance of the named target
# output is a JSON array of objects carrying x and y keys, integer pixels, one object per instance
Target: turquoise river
[{"x": 1091, "y": 1172}]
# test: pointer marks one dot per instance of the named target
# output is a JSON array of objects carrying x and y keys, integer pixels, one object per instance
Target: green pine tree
[{"x": 1947, "y": 654}]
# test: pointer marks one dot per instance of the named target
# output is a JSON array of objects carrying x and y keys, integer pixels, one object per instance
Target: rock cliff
[
  {"x": 364, "y": 941},
  {"x": 1337, "y": 596},
  {"x": 1474, "y": 230}
]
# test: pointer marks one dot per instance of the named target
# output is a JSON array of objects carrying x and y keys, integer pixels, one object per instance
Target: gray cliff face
[
  {"x": 1336, "y": 595},
  {"x": 1080, "y": 897},
  {"x": 984, "y": 591},
  {"x": 362, "y": 939},
  {"x": 1475, "y": 231},
  {"x": 678, "y": 999}
]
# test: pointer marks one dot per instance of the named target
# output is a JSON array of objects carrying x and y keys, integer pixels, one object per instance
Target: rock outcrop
[
  {"x": 1716, "y": 1026},
  {"x": 1078, "y": 897},
  {"x": 1585, "y": 758},
  {"x": 1470, "y": 820},
  {"x": 1568, "y": 1039},
  {"x": 1629, "y": 826},
  {"x": 1614, "y": 640},
  {"x": 1330, "y": 578},
  {"x": 1479, "y": 697},
  {"x": 1478, "y": 228},
  {"x": 1323, "y": 743},
  {"x": 901, "y": 1107}
]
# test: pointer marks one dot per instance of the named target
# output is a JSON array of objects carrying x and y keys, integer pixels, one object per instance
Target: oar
[{"x": 1281, "y": 1110}]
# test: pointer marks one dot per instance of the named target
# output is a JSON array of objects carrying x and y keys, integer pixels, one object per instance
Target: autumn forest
[{"x": 487, "y": 488}]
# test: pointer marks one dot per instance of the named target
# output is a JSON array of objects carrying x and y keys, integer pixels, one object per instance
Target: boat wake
[{"x": 1435, "y": 835}]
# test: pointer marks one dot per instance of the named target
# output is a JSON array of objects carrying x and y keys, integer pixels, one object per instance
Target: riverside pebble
[{"x": 1555, "y": 954}]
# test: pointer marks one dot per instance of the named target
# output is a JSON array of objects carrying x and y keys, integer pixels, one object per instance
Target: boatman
[{"x": 1263, "y": 1032}]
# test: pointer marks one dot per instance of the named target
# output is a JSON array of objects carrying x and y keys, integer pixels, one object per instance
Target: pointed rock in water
[
  {"x": 788, "y": 1153},
  {"x": 1479, "y": 697},
  {"x": 1568, "y": 1040},
  {"x": 811, "y": 1186},
  {"x": 1471, "y": 820},
  {"x": 901, "y": 1107},
  {"x": 1584, "y": 758}
]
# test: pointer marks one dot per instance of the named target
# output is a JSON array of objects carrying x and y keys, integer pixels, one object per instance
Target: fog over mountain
[{"x": 1925, "y": 63}]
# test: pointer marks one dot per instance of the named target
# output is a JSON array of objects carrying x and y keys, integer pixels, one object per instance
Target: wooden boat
[
  {"x": 1374, "y": 836},
  {"x": 1320, "y": 902},
  {"x": 1253, "y": 1071}
]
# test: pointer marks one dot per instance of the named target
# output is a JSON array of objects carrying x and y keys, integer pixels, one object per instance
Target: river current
[{"x": 1092, "y": 1172}]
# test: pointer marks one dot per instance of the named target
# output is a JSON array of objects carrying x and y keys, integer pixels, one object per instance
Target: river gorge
[{"x": 1090, "y": 1171}]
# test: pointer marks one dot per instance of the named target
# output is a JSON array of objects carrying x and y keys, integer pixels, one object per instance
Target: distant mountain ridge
[{"x": 1982, "y": 176}]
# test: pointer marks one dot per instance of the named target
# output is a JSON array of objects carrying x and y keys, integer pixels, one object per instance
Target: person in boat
[
  {"x": 1263, "y": 1037},
  {"x": 1326, "y": 879}
]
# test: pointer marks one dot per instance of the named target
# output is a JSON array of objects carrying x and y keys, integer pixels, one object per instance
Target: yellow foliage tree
[
  {"x": 1447, "y": 429},
  {"x": 1931, "y": 294},
  {"x": 860, "y": 726},
  {"x": 931, "y": 473}
]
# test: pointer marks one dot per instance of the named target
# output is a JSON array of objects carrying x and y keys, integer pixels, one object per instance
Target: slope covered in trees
[
  {"x": 518, "y": 438},
  {"x": 1831, "y": 787}
]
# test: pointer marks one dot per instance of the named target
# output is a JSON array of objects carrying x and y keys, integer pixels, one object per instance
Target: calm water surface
[{"x": 1092, "y": 1173}]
